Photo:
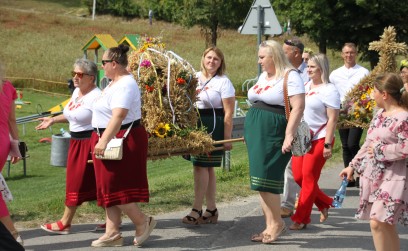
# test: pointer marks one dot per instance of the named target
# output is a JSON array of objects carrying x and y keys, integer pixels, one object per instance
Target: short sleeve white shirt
[
  {"x": 346, "y": 78},
  {"x": 271, "y": 91},
  {"x": 317, "y": 100},
  {"x": 124, "y": 94},
  {"x": 218, "y": 88},
  {"x": 78, "y": 111}
]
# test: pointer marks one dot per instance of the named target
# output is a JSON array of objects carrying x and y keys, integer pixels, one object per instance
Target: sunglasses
[
  {"x": 296, "y": 44},
  {"x": 289, "y": 42},
  {"x": 79, "y": 74},
  {"x": 104, "y": 62}
]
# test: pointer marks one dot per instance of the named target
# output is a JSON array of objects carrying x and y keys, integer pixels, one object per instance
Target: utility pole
[{"x": 93, "y": 9}]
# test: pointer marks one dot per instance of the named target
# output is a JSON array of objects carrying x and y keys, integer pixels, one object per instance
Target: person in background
[
  {"x": 381, "y": 163},
  {"x": 8, "y": 136},
  {"x": 307, "y": 54},
  {"x": 321, "y": 114},
  {"x": 293, "y": 49},
  {"x": 345, "y": 78},
  {"x": 80, "y": 180},
  {"x": 216, "y": 101},
  {"x": 404, "y": 72},
  {"x": 120, "y": 183},
  {"x": 268, "y": 135}
]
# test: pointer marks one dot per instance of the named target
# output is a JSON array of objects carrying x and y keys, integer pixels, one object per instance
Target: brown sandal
[
  {"x": 188, "y": 219},
  {"x": 269, "y": 239},
  {"x": 213, "y": 218}
]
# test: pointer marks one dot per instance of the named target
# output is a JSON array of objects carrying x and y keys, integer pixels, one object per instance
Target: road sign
[{"x": 261, "y": 16}]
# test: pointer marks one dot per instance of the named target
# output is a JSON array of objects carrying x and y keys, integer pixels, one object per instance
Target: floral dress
[{"x": 383, "y": 179}]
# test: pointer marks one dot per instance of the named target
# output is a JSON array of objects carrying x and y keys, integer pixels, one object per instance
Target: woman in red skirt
[
  {"x": 80, "y": 181},
  {"x": 120, "y": 183}
]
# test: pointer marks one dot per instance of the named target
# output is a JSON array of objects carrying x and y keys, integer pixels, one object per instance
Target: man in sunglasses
[
  {"x": 293, "y": 49},
  {"x": 345, "y": 78}
]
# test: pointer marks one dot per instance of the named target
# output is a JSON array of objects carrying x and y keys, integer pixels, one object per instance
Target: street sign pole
[
  {"x": 261, "y": 20},
  {"x": 260, "y": 25}
]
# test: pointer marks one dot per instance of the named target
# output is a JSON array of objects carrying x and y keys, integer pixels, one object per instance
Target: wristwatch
[{"x": 327, "y": 145}]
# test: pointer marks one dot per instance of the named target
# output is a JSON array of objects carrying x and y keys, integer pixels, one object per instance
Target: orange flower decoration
[
  {"x": 149, "y": 88},
  {"x": 181, "y": 81}
]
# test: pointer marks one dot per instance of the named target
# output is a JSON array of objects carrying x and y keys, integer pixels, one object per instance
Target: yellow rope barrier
[
  {"x": 52, "y": 93},
  {"x": 36, "y": 79}
]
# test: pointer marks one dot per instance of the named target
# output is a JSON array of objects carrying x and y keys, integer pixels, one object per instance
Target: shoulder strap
[
  {"x": 285, "y": 94},
  {"x": 128, "y": 130},
  {"x": 124, "y": 136},
  {"x": 313, "y": 134}
]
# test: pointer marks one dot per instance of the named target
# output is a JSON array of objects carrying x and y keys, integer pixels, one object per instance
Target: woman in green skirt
[
  {"x": 268, "y": 135},
  {"x": 216, "y": 101}
]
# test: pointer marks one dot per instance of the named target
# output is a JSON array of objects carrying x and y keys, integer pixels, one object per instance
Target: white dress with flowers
[{"x": 383, "y": 182}]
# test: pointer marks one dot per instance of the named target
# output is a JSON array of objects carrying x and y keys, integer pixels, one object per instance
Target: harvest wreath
[
  {"x": 168, "y": 87},
  {"x": 358, "y": 107}
]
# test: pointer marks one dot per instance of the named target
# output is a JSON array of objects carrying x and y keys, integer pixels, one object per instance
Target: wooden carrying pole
[
  {"x": 228, "y": 141},
  {"x": 182, "y": 152}
]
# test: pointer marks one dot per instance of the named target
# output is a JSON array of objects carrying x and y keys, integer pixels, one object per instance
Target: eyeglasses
[
  {"x": 79, "y": 74},
  {"x": 104, "y": 62}
]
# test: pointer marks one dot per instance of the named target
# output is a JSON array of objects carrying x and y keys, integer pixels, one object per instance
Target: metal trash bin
[{"x": 59, "y": 150}]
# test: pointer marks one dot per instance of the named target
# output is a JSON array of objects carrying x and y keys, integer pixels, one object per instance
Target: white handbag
[{"x": 114, "y": 148}]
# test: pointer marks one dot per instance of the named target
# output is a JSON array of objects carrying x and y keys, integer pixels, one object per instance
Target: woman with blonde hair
[
  {"x": 268, "y": 135},
  {"x": 215, "y": 104},
  {"x": 321, "y": 114}
]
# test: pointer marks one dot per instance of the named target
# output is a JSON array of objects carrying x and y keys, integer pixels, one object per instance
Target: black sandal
[
  {"x": 188, "y": 219},
  {"x": 213, "y": 218}
]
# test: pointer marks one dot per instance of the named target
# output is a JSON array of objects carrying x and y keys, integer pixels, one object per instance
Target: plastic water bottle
[
  {"x": 340, "y": 194},
  {"x": 65, "y": 133}
]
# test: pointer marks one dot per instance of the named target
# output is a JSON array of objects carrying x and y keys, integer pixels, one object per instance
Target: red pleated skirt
[
  {"x": 80, "y": 181},
  {"x": 123, "y": 181}
]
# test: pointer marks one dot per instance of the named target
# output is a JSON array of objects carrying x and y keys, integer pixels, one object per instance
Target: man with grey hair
[
  {"x": 293, "y": 49},
  {"x": 345, "y": 78}
]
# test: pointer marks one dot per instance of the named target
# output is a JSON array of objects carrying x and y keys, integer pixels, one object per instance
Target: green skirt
[
  {"x": 264, "y": 133},
  {"x": 211, "y": 159}
]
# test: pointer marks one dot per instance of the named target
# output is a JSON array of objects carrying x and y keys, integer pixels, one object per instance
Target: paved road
[{"x": 238, "y": 220}]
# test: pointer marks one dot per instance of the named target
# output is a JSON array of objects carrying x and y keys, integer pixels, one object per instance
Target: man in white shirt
[
  {"x": 293, "y": 49},
  {"x": 345, "y": 78}
]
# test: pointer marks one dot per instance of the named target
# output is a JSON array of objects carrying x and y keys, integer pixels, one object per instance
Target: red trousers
[{"x": 306, "y": 172}]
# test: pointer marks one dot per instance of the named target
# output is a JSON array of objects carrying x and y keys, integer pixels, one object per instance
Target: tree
[
  {"x": 331, "y": 23},
  {"x": 210, "y": 15}
]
